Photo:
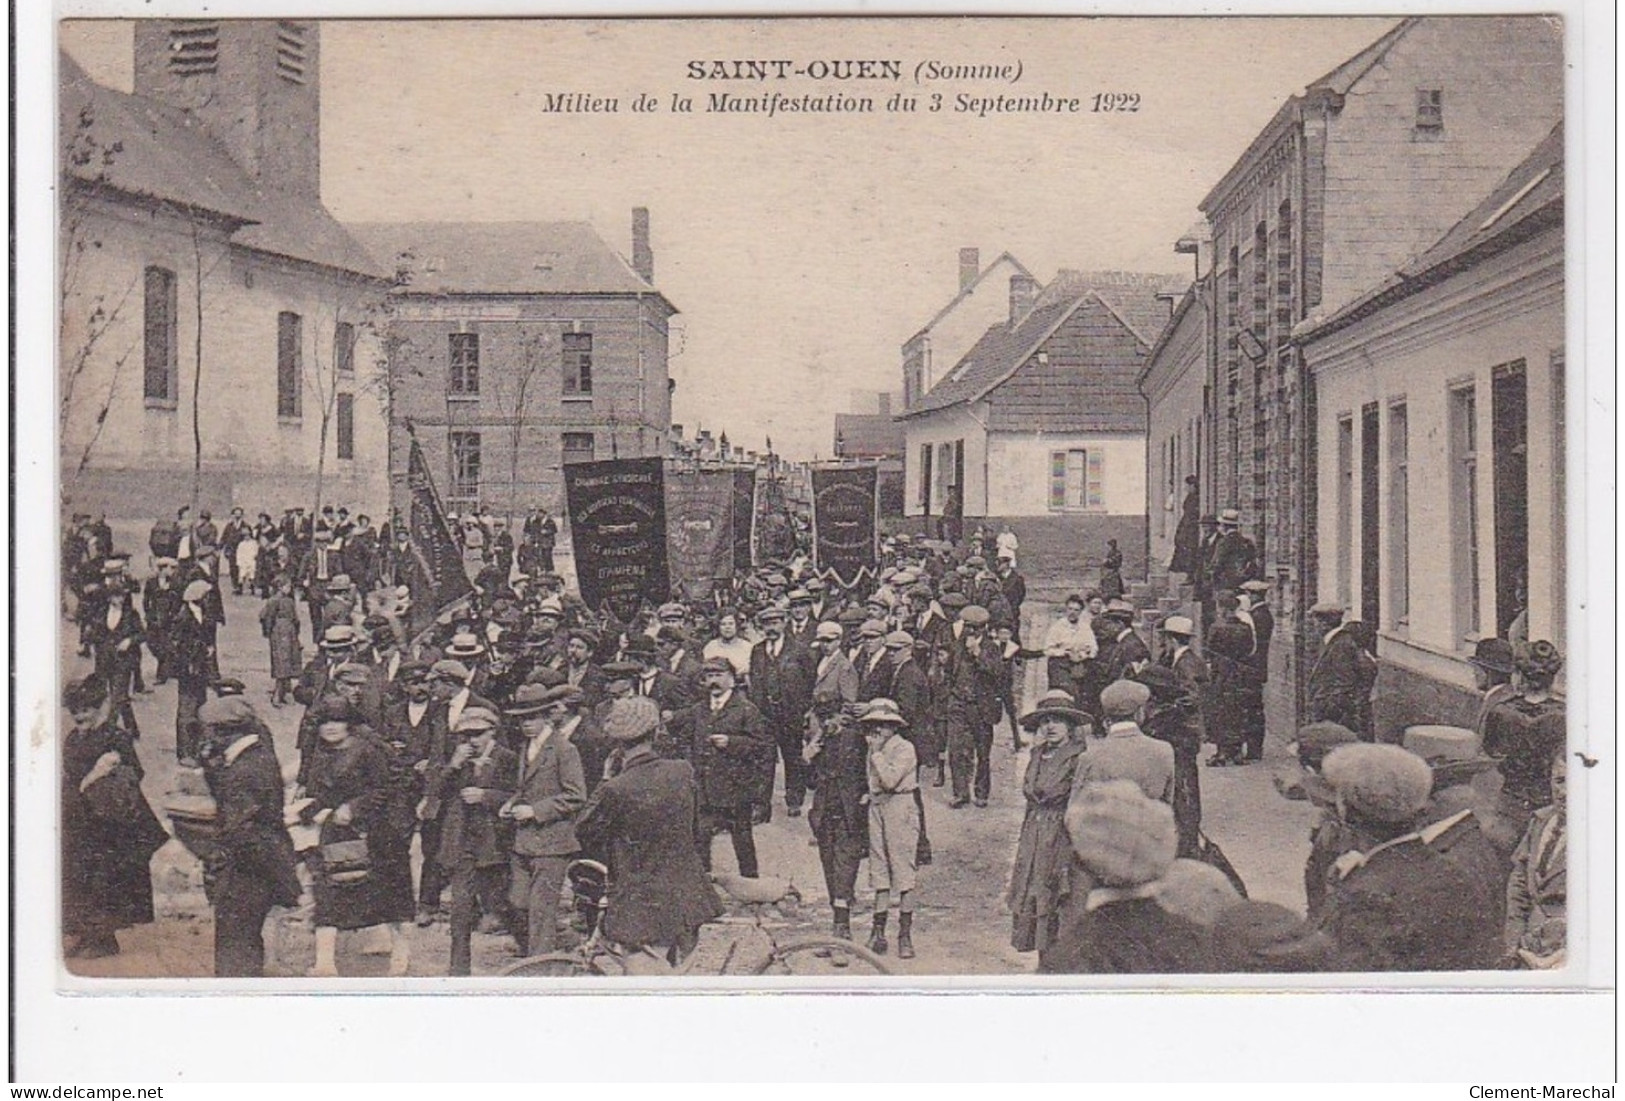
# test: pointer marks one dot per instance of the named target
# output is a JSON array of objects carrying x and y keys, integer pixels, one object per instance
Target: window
[
  {"x": 1464, "y": 510},
  {"x": 465, "y": 363},
  {"x": 290, "y": 51},
  {"x": 1430, "y": 109},
  {"x": 289, "y": 329},
  {"x": 465, "y": 465},
  {"x": 194, "y": 48},
  {"x": 344, "y": 347},
  {"x": 925, "y": 478},
  {"x": 159, "y": 358},
  {"x": 1399, "y": 569},
  {"x": 344, "y": 426},
  {"x": 578, "y": 447},
  {"x": 577, "y": 364},
  {"x": 1345, "y": 509},
  {"x": 1076, "y": 480}
]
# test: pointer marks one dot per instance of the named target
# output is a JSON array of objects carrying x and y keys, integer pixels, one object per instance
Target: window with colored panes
[{"x": 1077, "y": 480}]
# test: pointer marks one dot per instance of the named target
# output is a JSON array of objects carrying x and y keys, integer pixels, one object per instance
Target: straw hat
[{"x": 1058, "y": 703}]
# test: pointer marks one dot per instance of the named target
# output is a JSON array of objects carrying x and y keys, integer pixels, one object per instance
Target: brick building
[
  {"x": 515, "y": 348},
  {"x": 1440, "y": 420},
  {"x": 1362, "y": 170},
  {"x": 197, "y": 258}
]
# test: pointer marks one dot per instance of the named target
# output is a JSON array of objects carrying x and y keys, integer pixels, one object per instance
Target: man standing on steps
[{"x": 1235, "y": 557}]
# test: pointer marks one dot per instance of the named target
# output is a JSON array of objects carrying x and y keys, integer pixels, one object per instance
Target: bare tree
[
  {"x": 343, "y": 302},
  {"x": 85, "y": 322},
  {"x": 513, "y": 391}
]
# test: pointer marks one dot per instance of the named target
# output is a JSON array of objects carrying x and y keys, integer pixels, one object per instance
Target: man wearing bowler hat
[{"x": 552, "y": 790}]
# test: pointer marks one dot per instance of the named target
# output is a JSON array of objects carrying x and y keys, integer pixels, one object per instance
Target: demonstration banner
[
  {"x": 436, "y": 574},
  {"x": 699, "y": 530},
  {"x": 772, "y": 536},
  {"x": 744, "y": 505},
  {"x": 845, "y": 523},
  {"x": 618, "y": 532}
]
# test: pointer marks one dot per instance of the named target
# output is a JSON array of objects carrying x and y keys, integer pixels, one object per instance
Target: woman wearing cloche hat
[{"x": 1044, "y": 854}]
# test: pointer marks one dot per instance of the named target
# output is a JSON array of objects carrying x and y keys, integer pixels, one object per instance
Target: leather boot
[
  {"x": 843, "y": 922},
  {"x": 877, "y": 938},
  {"x": 905, "y": 937}
]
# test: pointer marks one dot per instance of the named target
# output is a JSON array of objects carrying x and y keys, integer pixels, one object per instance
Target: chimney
[
  {"x": 1023, "y": 293},
  {"x": 970, "y": 266},
  {"x": 643, "y": 258}
]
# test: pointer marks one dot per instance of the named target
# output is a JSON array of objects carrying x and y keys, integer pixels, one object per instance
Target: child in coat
[{"x": 894, "y": 822}]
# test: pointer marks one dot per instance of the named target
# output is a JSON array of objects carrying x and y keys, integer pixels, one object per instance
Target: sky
[{"x": 801, "y": 250}]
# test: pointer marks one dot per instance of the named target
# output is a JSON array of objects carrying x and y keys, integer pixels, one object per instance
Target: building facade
[
  {"x": 517, "y": 348},
  {"x": 980, "y": 303},
  {"x": 1439, "y": 536},
  {"x": 1178, "y": 401},
  {"x": 1041, "y": 424},
  {"x": 1365, "y": 168},
  {"x": 217, "y": 324}
]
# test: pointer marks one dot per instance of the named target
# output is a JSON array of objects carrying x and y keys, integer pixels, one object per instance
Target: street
[{"x": 963, "y": 925}]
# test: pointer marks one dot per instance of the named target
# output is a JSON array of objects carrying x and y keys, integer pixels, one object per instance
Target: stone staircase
[{"x": 1160, "y": 596}]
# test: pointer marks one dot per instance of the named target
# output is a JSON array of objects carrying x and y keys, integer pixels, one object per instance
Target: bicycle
[{"x": 754, "y": 951}]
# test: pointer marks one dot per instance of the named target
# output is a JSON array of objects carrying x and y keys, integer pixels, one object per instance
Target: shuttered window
[
  {"x": 159, "y": 350},
  {"x": 344, "y": 417},
  {"x": 289, "y": 330},
  {"x": 1077, "y": 481}
]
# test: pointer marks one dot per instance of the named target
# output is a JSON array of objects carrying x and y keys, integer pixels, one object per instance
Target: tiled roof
[
  {"x": 1529, "y": 199},
  {"x": 162, "y": 153},
  {"x": 501, "y": 258},
  {"x": 1130, "y": 296}
]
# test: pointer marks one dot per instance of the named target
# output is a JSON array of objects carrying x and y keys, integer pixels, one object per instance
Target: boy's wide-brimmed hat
[{"x": 882, "y": 712}]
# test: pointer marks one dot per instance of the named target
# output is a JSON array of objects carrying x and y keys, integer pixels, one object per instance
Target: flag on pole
[{"x": 435, "y": 570}]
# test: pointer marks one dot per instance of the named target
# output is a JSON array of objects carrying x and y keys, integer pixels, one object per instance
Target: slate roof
[
  {"x": 165, "y": 155},
  {"x": 501, "y": 258},
  {"x": 1527, "y": 201},
  {"x": 1131, "y": 297}
]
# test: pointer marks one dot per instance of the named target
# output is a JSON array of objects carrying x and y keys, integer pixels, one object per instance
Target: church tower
[{"x": 253, "y": 84}]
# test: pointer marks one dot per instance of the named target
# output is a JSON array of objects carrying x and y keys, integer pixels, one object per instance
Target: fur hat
[
  {"x": 1123, "y": 838},
  {"x": 1384, "y": 783},
  {"x": 1195, "y": 891},
  {"x": 631, "y": 719}
]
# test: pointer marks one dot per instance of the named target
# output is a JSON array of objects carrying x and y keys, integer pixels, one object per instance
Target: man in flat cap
[
  {"x": 727, "y": 739},
  {"x": 252, "y": 866},
  {"x": 972, "y": 680},
  {"x": 1125, "y": 752}
]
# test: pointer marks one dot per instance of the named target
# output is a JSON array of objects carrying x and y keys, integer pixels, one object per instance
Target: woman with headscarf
[
  {"x": 109, "y": 832},
  {"x": 1041, "y": 876}
]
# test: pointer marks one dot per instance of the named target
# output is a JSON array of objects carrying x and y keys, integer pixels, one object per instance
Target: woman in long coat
[
  {"x": 279, "y": 622},
  {"x": 109, "y": 832},
  {"x": 1042, "y": 873},
  {"x": 348, "y": 785}
]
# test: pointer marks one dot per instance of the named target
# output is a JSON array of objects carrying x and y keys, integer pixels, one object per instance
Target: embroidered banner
[
  {"x": 744, "y": 505},
  {"x": 435, "y": 569},
  {"x": 699, "y": 530},
  {"x": 845, "y": 525},
  {"x": 618, "y": 532}
]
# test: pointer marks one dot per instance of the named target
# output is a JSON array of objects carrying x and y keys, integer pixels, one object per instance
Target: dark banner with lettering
[
  {"x": 618, "y": 532},
  {"x": 435, "y": 570},
  {"x": 699, "y": 530},
  {"x": 773, "y": 537},
  {"x": 845, "y": 528},
  {"x": 744, "y": 511}
]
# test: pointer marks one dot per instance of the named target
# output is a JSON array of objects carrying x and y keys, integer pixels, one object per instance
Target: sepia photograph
[{"x": 817, "y": 504}]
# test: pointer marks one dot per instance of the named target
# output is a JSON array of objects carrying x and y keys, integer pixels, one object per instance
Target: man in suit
[
  {"x": 727, "y": 740},
  {"x": 1201, "y": 577},
  {"x": 1191, "y": 673},
  {"x": 781, "y": 677},
  {"x": 973, "y": 673},
  {"x": 1335, "y": 680},
  {"x": 1122, "y": 650},
  {"x": 1253, "y": 610},
  {"x": 236, "y": 530},
  {"x": 1235, "y": 557},
  {"x": 253, "y": 865},
  {"x": 1232, "y": 653},
  {"x": 552, "y": 789},
  {"x": 160, "y": 601},
  {"x": 416, "y": 729},
  {"x": 680, "y": 657},
  {"x": 653, "y": 680},
  {"x": 874, "y": 673},
  {"x": 1124, "y": 751},
  {"x": 645, "y": 820},
  {"x": 802, "y": 623}
]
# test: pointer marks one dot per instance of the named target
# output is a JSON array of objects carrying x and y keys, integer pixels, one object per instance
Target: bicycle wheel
[
  {"x": 822, "y": 957},
  {"x": 561, "y": 965}
]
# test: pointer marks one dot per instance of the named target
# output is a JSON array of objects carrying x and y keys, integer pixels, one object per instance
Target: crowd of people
[{"x": 525, "y": 729}]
